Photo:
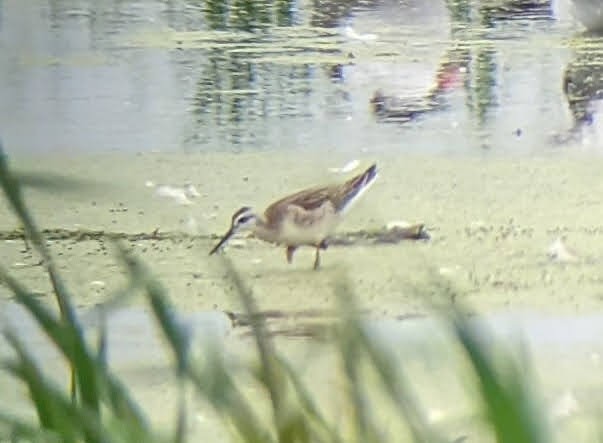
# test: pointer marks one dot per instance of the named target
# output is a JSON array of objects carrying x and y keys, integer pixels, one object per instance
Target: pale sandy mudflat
[{"x": 492, "y": 221}]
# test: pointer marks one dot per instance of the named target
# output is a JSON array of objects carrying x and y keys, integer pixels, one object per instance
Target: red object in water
[{"x": 449, "y": 77}]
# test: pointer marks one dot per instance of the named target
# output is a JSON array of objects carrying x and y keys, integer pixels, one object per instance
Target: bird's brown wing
[
  {"x": 308, "y": 200},
  {"x": 311, "y": 199}
]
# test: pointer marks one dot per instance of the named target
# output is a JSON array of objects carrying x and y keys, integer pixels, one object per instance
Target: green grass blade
[
  {"x": 391, "y": 377},
  {"x": 223, "y": 395},
  {"x": 398, "y": 388},
  {"x": 19, "y": 430},
  {"x": 71, "y": 419},
  {"x": 101, "y": 356},
  {"x": 80, "y": 370},
  {"x": 124, "y": 407},
  {"x": 74, "y": 348},
  {"x": 174, "y": 333},
  {"x": 52, "y": 417},
  {"x": 66, "y": 336},
  {"x": 308, "y": 404},
  {"x": 41, "y": 401},
  {"x": 270, "y": 375},
  {"x": 350, "y": 352},
  {"x": 288, "y": 418},
  {"x": 509, "y": 402},
  {"x": 350, "y": 349},
  {"x": 180, "y": 432},
  {"x": 216, "y": 384},
  {"x": 12, "y": 190}
]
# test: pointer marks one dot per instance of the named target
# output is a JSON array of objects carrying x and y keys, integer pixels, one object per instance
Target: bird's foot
[{"x": 317, "y": 257}]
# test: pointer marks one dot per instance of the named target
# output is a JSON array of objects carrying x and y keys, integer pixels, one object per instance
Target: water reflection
[
  {"x": 275, "y": 74},
  {"x": 449, "y": 77},
  {"x": 133, "y": 338},
  {"x": 479, "y": 63},
  {"x": 482, "y": 79},
  {"x": 516, "y": 9},
  {"x": 583, "y": 84},
  {"x": 590, "y": 14},
  {"x": 332, "y": 13},
  {"x": 235, "y": 92}
]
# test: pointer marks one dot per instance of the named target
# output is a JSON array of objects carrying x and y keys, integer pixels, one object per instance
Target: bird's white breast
[{"x": 313, "y": 233}]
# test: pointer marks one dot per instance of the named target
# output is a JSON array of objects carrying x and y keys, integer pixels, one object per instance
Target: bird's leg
[
  {"x": 290, "y": 251},
  {"x": 317, "y": 258}
]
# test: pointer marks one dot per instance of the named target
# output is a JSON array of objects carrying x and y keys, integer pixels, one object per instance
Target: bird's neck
[{"x": 263, "y": 231}]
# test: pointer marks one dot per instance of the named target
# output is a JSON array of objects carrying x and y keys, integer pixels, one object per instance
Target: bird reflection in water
[
  {"x": 583, "y": 88},
  {"x": 396, "y": 109}
]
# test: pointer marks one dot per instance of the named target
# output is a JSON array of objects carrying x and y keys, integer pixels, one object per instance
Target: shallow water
[
  {"x": 563, "y": 353},
  {"x": 132, "y": 335},
  {"x": 120, "y": 96},
  {"x": 155, "y": 75},
  {"x": 133, "y": 338}
]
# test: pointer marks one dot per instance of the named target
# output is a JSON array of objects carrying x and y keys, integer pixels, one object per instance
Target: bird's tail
[{"x": 356, "y": 186}]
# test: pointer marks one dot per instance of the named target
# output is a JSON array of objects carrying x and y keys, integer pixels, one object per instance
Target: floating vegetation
[{"x": 181, "y": 195}]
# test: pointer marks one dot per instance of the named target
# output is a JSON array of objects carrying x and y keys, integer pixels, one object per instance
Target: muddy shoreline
[{"x": 491, "y": 222}]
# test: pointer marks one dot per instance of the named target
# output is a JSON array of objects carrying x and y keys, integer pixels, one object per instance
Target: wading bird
[{"x": 305, "y": 218}]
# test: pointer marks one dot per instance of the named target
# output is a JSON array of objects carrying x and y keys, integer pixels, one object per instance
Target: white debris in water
[
  {"x": 349, "y": 32},
  {"x": 191, "y": 191},
  {"x": 348, "y": 167},
  {"x": 256, "y": 261},
  {"x": 559, "y": 252},
  {"x": 175, "y": 193},
  {"x": 182, "y": 195},
  {"x": 97, "y": 284}
]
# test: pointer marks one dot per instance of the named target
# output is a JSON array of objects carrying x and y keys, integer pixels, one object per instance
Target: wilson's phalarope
[{"x": 305, "y": 218}]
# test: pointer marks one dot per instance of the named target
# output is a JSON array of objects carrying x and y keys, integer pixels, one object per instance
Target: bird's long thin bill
[{"x": 222, "y": 241}]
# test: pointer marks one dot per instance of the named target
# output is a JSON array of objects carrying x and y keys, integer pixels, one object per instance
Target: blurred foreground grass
[{"x": 99, "y": 408}]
